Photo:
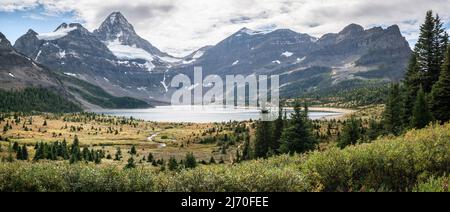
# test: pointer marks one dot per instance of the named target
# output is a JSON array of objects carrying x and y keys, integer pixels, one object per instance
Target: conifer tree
[
  {"x": 351, "y": 133},
  {"x": 190, "y": 161},
  {"x": 133, "y": 150},
  {"x": 246, "y": 149},
  {"x": 411, "y": 86},
  {"x": 15, "y": 147},
  {"x": 130, "y": 163},
  {"x": 212, "y": 160},
  {"x": 374, "y": 130},
  {"x": 173, "y": 164},
  {"x": 298, "y": 137},
  {"x": 150, "y": 158},
  {"x": 426, "y": 52},
  {"x": 440, "y": 46},
  {"x": 118, "y": 155},
  {"x": 24, "y": 152},
  {"x": 421, "y": 113},
  {"x": 86, "y": 154},
  {"x": 10, "y": 158},
  {"x": 278, "y": 129},
  {"x": 39, "y": 155},
  {"x": 391, "y": 115},
  {"x": 97, "y": 158},
  {"x": 440, "y": 95},
  {"x": 19, "y": 153},
  {"x": 264, "y": 138},
  {"x": 75, "y": 151}
]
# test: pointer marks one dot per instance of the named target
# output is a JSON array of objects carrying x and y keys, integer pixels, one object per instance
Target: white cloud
[{"x": 181, "y": 26}]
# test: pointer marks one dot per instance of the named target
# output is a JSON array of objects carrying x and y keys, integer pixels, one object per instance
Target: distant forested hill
[{"x": 35, "y": 99}]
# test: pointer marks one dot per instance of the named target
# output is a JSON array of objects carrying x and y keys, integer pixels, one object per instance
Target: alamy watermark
[{"x": 252, "y": 92}]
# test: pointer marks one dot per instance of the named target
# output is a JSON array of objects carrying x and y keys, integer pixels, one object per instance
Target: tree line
[
  {"x": 282, "y": 136},
  {"x": 424, "y": 94},
  {"x": 35, "y": 99}
]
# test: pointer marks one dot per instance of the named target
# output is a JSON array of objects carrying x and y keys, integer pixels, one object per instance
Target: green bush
[
  {"x": 398, "y": 164},
  {"x": 434, "y": 184},
  {"x": 387, "y": 164}
]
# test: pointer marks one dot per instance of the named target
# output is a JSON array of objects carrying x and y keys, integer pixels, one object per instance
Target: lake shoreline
[{"x": 168, "y": 114}]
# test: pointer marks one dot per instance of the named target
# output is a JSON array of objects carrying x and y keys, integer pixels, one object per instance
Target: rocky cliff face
[
  {"x": 118, "y": 68},
  {"x": 308, "y": 63},
  {"x": 116, "y": 28},
  {"x": 18, "y": 71},
  {"x": 117, "y": 59}
]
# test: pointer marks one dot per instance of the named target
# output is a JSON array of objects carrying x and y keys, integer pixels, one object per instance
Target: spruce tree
[
  {"x": 15, "y": 147},
  {"x": 24, "y": 152},
  {"x": 19, "y": 153},
  {"x": 75, "y": 155},
  {"x": 374, "y": 130},
  {"x": 411, "y": 86},
  {"x": 39, "y": 155},
  {"x": 190, "y": 161},
  {"x": 150, "y": 158},
  {"x": 133, "y": 150},
  {"x": 440, "y": 95},
  {"x": 264, "y": 138},
  {"x": 212, "y": 160},
  {"x": 86, "y": 154},
  {"x": 391, "y": 115},
  {"x": 130, "y": 163},
  {"x": 97, "y": 158},
  {"x": 246, "y": 149},
  {"x": 173, "y": 164},
  {"x": 298, "y": 137},
  {"x": 440, "y": 46},
  {"x": 421, "y": 113},
  {"x": 428, "y": 51},
  {"x": 118, "y": 155},
  {"x": 351, "y": 133},
  {"x": 10, "y": 158},
  {"x": 278, "y": 129}
]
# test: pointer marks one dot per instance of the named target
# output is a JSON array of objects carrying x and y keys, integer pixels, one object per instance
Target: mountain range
[{"x": 117, "y": 60}]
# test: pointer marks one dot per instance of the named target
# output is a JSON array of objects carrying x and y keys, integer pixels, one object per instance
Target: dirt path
[{"x": 160, "y": 145}]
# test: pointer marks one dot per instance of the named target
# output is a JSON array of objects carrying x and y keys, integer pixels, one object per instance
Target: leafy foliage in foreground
[
  {"x": 404, "y": 163},
  {"x": 35, "y": 99}
]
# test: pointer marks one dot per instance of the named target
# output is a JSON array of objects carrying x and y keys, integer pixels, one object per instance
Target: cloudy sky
[{"x": 181, "y": 26}]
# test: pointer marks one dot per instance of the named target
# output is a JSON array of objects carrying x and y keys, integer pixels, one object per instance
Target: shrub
[
  {"x": 398, "y": 164},
  {"x": 387, "y": 164},
  {"x": 434, "y": 184}
]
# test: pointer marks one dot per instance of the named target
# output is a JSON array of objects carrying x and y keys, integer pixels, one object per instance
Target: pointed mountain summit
[
  {"x": 17, "y": 71},
  {"x": 4, "y": 43},
  {"x": 352, "y": 28},
  {"x": 116, "y": 29}
]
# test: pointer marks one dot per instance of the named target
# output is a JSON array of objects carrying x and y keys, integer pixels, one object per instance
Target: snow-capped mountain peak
[
  {"x": 116, "y": 26},
  {"x": 121, "y": 38},
  {"x": 251, "y": 32},
  {"x": 4, "y": 43},
  {"x": 60, "y": 32}
]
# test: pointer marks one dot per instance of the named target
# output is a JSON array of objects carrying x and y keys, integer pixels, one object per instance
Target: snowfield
[
  {"x": 125, "y": 52},
  {"x": 287, "y": 54},
  {"x": 70, "y": 74},
  {"x": 198, "y": 54},
  {"x": 60, "y": 33}
]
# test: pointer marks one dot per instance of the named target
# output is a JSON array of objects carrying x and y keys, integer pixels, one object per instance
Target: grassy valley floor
[{"x": 417, "y": 161}]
